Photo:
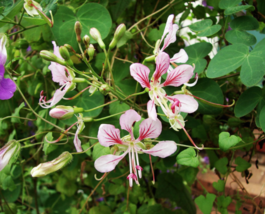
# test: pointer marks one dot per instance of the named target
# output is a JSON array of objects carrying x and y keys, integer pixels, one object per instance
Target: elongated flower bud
[
  {"x": 7, "y": 152},
  {"x": 52, "y": 166},
  {"x": 65, "y": 54},
  {"x": 95, "y": 34},
  {"x": 62, "y": 112},
  {"x": 117, "y": 35},
  {"x": 78, "y": 30},
  {"x": 47, "y": 55},
  {"x": 86, "y": 40},
  {"x": 91, "y": 52}
]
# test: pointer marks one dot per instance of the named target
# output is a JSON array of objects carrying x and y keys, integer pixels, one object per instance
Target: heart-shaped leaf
[
  {"x": 221, "y": 164},
  {"x": 242, "y": 164},
  {"x": 188, "y": 158},
  {"x": 205, "y": 203},
  {"x": 226, "y": 141},
  {"x": 219, "y": 186}
]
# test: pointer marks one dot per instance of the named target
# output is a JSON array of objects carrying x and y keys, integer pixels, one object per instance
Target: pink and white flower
[
  {"x": 177, "y": 77},
  {"x": 168, "y": 37},
  {"x": 108, "y": 135},
  {"x": 61, "y": 75}
]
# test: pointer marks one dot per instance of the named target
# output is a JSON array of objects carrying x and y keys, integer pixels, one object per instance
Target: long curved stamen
[
  {"x": 130, "y": 164},
  {"x": 150, "y": 158},
  {"x": 98, "y": 179},
  {"x": 134, "y": 166},
  {"x": 138, "y": 165},
  {"x": 194, "y": 83},
  {"x": 213, "y": 104},
  {"x": 190, "y": 137}
]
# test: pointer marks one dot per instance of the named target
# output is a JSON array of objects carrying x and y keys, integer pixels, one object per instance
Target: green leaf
[
  {"x": 9, "y": 184},
  {"x": 85, "y": 146},
  {"x": 116, "y": 189},
  {"x": 196, "y": 53},
  {"x": 16, "y": 113},
  {"x": 90, "y": 15},
  {"x": 169, "y": 186},
  {"x": 188, "y": 173},
  {"x": 210, "y": 31},
  {"x": 209, "y": 90},
  {"x": 201, "y": 25},
  {"x": 205, "y": 203},
  {"x": 238, "y": 36},
  {"x": 124, "y": 39},
  {"x": 221, "y": 164},
  {"x": 42, "y": 125},
  {"x": 244, "y": 23},
  {"x": 48, "y": 147},
  {"x": 219, "y": 185},
  {"x": 242, "y": 164},
  {"x": 262, "y": 118},
  {"x": 100, "y": 209},
  {"x": 99, "y": 150},
  {"x": 188, "y": 157},
  {"x": 226, "y": 141},
  {"x": 10, "y": 12},
  {"x": 16, "y": 171},
  {"x": 248, "y": 101},
  {"x": 232, "y": 10},
  {"x": 117, "y": 107},
  {"x": 65, "y": 186},
  {"x": 88, "y": 102},
  {"x": 226, "y": 60},
  {"x": 223, "y": 4},
  {"x": 154, "y": 209},
  {"x": 12, "y": 196},
  {"x": 252, "y": 71}
]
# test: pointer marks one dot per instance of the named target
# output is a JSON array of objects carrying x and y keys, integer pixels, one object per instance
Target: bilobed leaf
[
  {"x": 244, "y": 23},
  {"x": 221, "y": 165},
  {"x": 86, "y": 101},
  {"x": 201, "y": 25},
  {"x": 90, "y": 15},
  {"x": 239, "y": 36},
  {"x": 188, "y": 157},
  {"x": 169, "y": 185},
  {"x": 248, "y": 101},
  {"x": 226, "y": 141},
  {"x": 252, "y": 71},
  {"x": 232, "y": 10},
  {"x": 209, "y": 90},
  {"x": 223, "y": 4},
  {"x": 226, "y": 60},
  {"x": 196, "y": 53},
  {"x": 219, "y": 185},
  {"x": 223, "y": 202},
  {"x": 117, "y": 107},
  {"x": 205, "y": 203},
  {"x": 242, "y": 164},
  {"x": 210, "y": 31}
]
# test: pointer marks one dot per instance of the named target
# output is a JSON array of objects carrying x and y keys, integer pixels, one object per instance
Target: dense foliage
[{"x": 94, "y": 92}]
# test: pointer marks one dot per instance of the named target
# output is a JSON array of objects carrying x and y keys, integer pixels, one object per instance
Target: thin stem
[
  {"x": 23, "y": 118},
  {"x": 113, "y": 115},
  {"x": 92, "y": 192},
  {"x": 136, "y": 94},
  {"x": 20, "y": 31},
  {"x": 101, "y": 106},
  {"x": 110, "y": 70},
  {"x": 21, "y": 17},
  {"x": 150, "y": 15}
]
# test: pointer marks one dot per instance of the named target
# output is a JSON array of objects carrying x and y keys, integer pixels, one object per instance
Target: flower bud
[
  {"x": 78, "y": 30},
  {"x": 7, "y": 152},
  {"x": 156, "y": 50},
  {"x": 52, "y": 166},
  {"x": 65, "y": 54},
  {"x": 117, "y": 35},
  {"x": 104, "y": 89},
  {"x": 86, "y": 40},
  {"x": 95, "y": 34},
  {"x": 47, "y": 55},
  {"x": 91, "y": 52},
  {"x": 3, "y": 52},
  {"x": 120, "y": 31},
  {"x": 62, "y": 112}
]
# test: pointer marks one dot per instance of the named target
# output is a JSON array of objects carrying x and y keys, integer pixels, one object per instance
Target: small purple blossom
[
  {"x": 100, "y": 199},
  {"x": 204, "y": 3},
  {"x": 206, "y": 160},
  {"x": 29, "y": 48}
]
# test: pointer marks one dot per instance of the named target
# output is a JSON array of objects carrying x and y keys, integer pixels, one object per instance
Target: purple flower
[
  {"x": 204, "y": 3},
  {"x": 7, "y": 86},
  {"x": 206, "y": 160},
  {"x": 29, "y": 48},
  {"x": 100, "y": 199}
]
